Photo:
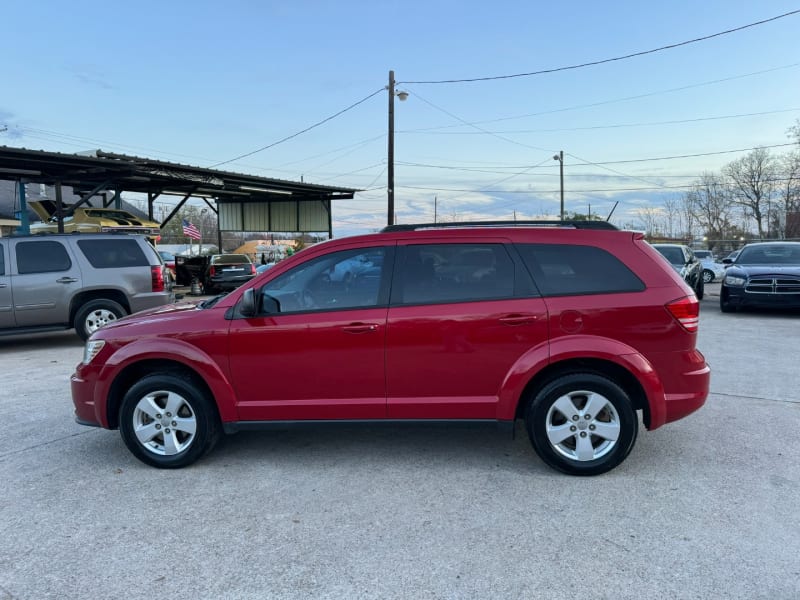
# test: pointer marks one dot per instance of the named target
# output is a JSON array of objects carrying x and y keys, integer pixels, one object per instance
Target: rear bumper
[
  {"x": 678, "y": 406},
  {"x": 686, "y": 389},
  {"x": 230, "y": 282}
]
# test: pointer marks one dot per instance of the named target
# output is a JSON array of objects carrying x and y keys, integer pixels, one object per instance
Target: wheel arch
[
  {"x": 136, "y": 371},
  {"x": 80, "y": 299},
  {"x": 598, "y": 366}
]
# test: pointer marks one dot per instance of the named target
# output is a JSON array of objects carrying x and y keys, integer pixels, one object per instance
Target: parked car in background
[
  {"x": 169, "y": 261},
  {"x": 61, "y": 281},
  {"x": 264, "y": 267},
  {"x": 763, "y": 274},
  {"x": 712, "y": 270},
  {"x": 572, "y": 327},
  {"x": 687, "y": 265},
  {"x": 727, "y": 260},
  {"x": 87, "y": 219},
  {"x": 188, "y": 268},
  {"x": 227, "y": 272}
]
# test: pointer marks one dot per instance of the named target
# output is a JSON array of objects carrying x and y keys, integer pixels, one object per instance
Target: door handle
[
  {"x": 2, "y": 285},
  {"x": 67, "y": 280},
  {"x": 360, "y": 328},
  {"x": 518, "y": 319}
]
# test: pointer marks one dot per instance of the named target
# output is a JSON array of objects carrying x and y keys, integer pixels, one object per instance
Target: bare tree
[
  {"x": 688, "y": 214},
  {"x": 794, "y": 131},
  {"x": 650, "y": 219},
  {"x": 753, "y": 182},
  {"x": 710, "y": 203},
  {"x": 788, "y": 192},
  {"x": 672, "y": 216}
]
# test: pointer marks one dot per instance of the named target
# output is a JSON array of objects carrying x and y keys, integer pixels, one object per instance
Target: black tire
[
  {"x": 708, "y": 276},
  {"x": 576, "y": 392},
  {"x": 724, "y": 304},
  {"x": 699, "y": 291},
  {"x": 159, "y": 438},
  {"x": 96, "y": 313}
]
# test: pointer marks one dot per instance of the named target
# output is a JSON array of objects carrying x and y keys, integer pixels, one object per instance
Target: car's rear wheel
[
  {"x": 708, "y": 276},
  {"x": 582, "y": 424},
  {"x": 168, "y": 421},
  {"x": 95, "y": 314}
]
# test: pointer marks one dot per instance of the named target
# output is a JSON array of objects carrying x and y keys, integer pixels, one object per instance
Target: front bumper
[
  {"x": 83, "y": 399},
  {"x": 739, "y": 296}
]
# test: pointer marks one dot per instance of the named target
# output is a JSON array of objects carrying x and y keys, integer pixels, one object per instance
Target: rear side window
[
  {"x": 563, "y": 270},
  {"x": 2, "y": 260},
  {"x": 113, "y": 254},
  {"x": 442, "y": 273},
  {"x": 42, "y": 257}
]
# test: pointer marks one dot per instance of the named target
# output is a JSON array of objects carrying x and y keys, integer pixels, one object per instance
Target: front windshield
[{"x": 773, "y": 254}]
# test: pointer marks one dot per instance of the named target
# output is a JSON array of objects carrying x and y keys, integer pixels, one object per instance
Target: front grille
[{"x": 773, "y": 285}]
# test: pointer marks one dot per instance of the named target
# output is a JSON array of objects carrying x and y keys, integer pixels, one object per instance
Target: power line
[
  {"x": 608, "y": 162},
  {"x": 608, "y": 60},
  {"x": 480, "y": 129},
  {"x": 613, "y": 100},
  {"x": 294, "y": 135},
  {"x": 612, "y": 126},
  {"x": 597, "y": 191}
]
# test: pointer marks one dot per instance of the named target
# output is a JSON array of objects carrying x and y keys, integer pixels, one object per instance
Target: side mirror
[
  {"x": 727, "y": 261},
  {"x": 247, "y": 304}
]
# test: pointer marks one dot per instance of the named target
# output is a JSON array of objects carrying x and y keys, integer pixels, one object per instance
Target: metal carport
[{"x": 241, "y": 202}]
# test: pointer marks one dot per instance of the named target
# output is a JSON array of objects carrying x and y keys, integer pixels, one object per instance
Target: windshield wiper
[{"x": 212, "y": 301}]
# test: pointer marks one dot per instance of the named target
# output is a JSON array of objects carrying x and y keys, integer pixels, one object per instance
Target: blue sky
[{"x": 203, "y": 82}]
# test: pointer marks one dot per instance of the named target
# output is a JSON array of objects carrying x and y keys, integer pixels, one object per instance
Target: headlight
[
  {"x": 734, "y": 281},
  {"x": 92, "y": 349}
]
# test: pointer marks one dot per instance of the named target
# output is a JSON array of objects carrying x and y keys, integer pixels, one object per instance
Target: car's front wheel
[
  {"x": 168, "y": 421},
  {"x": 582, "y": 424},
  {"x": 95, "y": 314},
  {"x": 708, "y": 276},
  {"x": 725, "y": 304}
]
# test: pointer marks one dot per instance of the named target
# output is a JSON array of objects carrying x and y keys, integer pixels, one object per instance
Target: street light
[
  {"x": 390, "y": 158},
  {"x": 560, "y": 158}
]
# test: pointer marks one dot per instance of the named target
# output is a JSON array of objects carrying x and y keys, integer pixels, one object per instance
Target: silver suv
[{"x": 61, "y": 281}]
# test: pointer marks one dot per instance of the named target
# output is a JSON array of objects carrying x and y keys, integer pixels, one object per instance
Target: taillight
[
  {"x": 687, "y": 312},
  {"x": 157, "y": 278},
  {"x": 252, "y": 269},
  {"x": 211, "y": 271}
]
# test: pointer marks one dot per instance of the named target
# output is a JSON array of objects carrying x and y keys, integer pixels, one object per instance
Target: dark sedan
[
  {"x": 227, "y": 272},
  {"x": 765, "y": 274}
]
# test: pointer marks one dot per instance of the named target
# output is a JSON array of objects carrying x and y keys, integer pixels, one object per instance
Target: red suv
[{"x": 573, "y": 327}]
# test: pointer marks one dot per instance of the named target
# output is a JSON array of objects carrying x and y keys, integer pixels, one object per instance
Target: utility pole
[
  {"x": 390, "y": 158},
  {"x": 560, "y": 158}
]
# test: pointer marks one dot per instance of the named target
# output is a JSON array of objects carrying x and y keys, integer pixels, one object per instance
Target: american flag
[{"x": 191, "y": 231}]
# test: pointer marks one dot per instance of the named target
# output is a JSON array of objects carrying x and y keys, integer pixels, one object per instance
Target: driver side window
[{"x": 340, "y": 280}]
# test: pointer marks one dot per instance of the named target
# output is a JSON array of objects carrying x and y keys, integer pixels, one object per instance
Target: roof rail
[{"x": 468, "y": 224}]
